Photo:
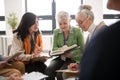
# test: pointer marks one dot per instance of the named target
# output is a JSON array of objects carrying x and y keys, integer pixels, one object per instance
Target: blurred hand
[
  {"x": 2, "y": 64},
  {"x": 64, "y": 47},
  {"x": 67, "y": 54},
  {"x": 37, "y": 51},
  {"x": 14, "y": 76},
  {"x": 73, "y": 66}
]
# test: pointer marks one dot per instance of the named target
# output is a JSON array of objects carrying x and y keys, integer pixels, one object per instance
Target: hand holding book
[
  {"x": 64, "y": 49},
  {"x": 15, "y": 55},
  {"x": 72, "y": 68},
  {"x": 67, "y": 54},
  {"x": 2, "y": 63}
]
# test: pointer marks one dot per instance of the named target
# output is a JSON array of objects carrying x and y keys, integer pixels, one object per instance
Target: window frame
[
  {"x": 50, "y": 17},
  {"x": 2, "y": 18}
]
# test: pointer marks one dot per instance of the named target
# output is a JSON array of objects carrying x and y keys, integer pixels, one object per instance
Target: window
[
  {"x": 70, "y": 6},
  {"x": 2, "y": 18},
  {"x": 110, "y": 16},
  {"x": 46, "y": 11}
]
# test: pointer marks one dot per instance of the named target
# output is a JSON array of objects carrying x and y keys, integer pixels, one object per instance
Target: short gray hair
[{"x": 63, "y": 15}]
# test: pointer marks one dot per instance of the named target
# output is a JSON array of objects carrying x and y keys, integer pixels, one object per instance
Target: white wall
[
  {"x": 47, "y": 42},
  {"x": 97, "y": 7},
  {"x": 15, "y": 6}
]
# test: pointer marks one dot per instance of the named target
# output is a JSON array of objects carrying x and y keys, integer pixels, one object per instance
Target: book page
[
  {"x": 67, "y": 71},
  {"x": 56, "y": 52},
  {"x": 34, "y": 76}
]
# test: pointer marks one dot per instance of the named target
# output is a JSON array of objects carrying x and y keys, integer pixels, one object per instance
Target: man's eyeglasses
[{"x": 80, "y": 22}]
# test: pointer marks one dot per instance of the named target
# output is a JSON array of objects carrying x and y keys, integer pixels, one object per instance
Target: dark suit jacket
[{"x": 101, "y": 59}]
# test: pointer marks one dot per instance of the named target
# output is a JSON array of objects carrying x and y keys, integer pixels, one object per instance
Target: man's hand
[
  {"x": 73, "y": 66},
  {"x": 2, "y": 64},
  {"x": 37, "y": 50}
]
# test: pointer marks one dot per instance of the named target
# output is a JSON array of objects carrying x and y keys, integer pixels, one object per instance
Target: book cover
[
  {"x": 59, "y": 51},
  {"x": 15, "y": 55}
]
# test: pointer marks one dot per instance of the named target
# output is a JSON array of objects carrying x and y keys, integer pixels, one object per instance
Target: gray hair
[
  {"x": 63, "y": 15},
  {"x": 86, "y": 10}
]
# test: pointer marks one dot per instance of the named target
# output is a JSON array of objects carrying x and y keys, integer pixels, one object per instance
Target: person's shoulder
[
  {"x": 108, "y": 31},
  {"x": 15, "y": 34},
  {"x": 101, "y": 25},
  {"x": 117, "y": 24},
  {"x": 112, "y": 27},
  {"x": 16, "y": 37},
  {"x": 56, "y": 30},
  {"x": 75, "y": 28}
]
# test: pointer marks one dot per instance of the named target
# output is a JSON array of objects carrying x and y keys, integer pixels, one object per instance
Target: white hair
[
  {"x": 63, "y": 15},
  {"x": 86, "y": 10}
]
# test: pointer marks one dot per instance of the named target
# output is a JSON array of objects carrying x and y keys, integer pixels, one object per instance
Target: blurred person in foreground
[
  {"x": 9, "y": 67},
  {"x": 13, "y": 76},
  {"x": 101, "y": 57}
]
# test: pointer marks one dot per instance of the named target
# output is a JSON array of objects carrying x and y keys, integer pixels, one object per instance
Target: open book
[
  {"x": 15, "y": 55},
  {"x": 59, "y": 51},
  {"x": 67, "y": 71},
  {"x": 34, "y": 76}
]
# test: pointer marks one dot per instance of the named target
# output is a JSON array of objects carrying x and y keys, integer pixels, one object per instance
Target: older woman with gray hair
[
  {"x": 85, "y": 20},
  {"x": 65, "y": 36}
]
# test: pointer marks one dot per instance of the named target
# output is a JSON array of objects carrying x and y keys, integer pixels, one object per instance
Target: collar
[
  {"x": 70, "y": 30},
  {"x": 91, "y": 28}
]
